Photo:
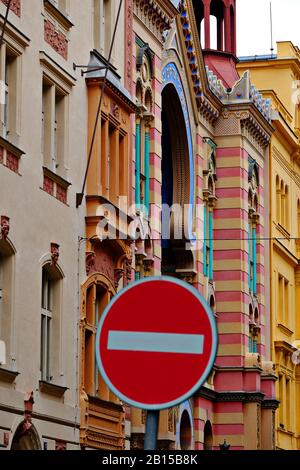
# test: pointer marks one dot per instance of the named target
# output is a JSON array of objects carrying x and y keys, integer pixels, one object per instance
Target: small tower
[{"x": 222, "y": 60}]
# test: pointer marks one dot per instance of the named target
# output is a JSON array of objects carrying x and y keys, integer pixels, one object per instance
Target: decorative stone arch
[
  {"x": 112, "y": 258},
  {"x": 148, "y": 101},
  {"x": 171, "y": 77},
  {"x": 139, "y": 93},
  {"x": 26, "y": 437},
  {"x": 208, "y": 436},
  {"x": 185, "y": 427},
  {"x": 211, "y": 298},
  {"x": 178, "y": 173}
]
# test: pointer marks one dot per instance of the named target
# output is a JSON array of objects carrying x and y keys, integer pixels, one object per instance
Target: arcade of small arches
[{"x": 216, "y": 23}]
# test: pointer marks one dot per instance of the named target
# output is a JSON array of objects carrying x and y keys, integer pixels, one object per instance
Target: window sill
[
  {"x": 60, "y": 16},
  {"x": 104, "y": 403},
  {"x": 52, "y": 389},
  {"x": 283, "y": 231},
  {"x": 7, "y": 375},
  {"x": 285, "y": 329},
  {"x": 10, "y": 155},
  {"x": 55, "y": 185}
]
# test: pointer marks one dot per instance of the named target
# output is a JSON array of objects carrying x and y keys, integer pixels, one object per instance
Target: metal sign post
[
  {"x": 151, "y": 433},
  {"x": 152, "y": 326}
]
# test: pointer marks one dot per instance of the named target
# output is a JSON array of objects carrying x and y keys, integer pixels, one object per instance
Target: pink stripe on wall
[
  {"x": 155, "y": 160},
  {"x": 155, "y": 185},
  {"x": 230, "y": 152},
  {"x": 234, "y": 234},
  {"x": 199, "y": 424},
  {"x": 232, "y": 172},
  {"x": 229, "y": 361},
  {"x": 157, "y": 111},
  {"x": 228, "y": 407},
  {"x": 228, "y": 275},
  {"x": 199, "y": 140},
  {"x": 155, "y": 135},
  {"x": 230, "y": 255},
  {"x": 228, "y": 429},
  {"x": 232, "y": 296},
  {"x": 232, "y": 193},
  {"x": 231, "y": 214},
  {"x": 157, "y": 61},
  {"x": 232, "y": 317},
  {"x": 232, "y": 338},
  {"x": 157, "y": 86}
]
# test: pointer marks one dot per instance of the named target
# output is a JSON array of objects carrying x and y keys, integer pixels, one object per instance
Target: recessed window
[
  {"x": 6, "y": 289},
  {"x": 54, "y": 128},
  {"x": 50, "y": 323},
  {"x": 9, "y": 92}
]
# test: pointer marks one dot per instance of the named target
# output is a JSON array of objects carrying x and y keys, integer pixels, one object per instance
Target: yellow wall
[{"x": 276, "y": 78}]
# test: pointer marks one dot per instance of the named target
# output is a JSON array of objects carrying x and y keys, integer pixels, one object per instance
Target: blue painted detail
[
  {"x": 211, "y": 253},
  {"x": 137, "y": 164},
  {"x": 170, "y": 75},
  {"x": 204, "y": 241},
  {"x": 254, "y": 259},
  {"x": 214, "y": 347},
  {"x": 187, "y": 38},
  {"x": 249, "y": 257},
  {"x": 147, "y": 171}
]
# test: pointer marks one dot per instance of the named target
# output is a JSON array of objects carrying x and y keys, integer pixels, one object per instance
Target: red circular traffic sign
[{"x": 156, "y": 343}]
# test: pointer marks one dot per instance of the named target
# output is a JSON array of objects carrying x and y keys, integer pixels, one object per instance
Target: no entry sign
[{"x": 156, "y": 343}]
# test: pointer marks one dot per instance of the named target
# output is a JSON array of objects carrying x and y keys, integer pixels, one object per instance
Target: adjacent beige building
[{"x": 43, "y": 142}]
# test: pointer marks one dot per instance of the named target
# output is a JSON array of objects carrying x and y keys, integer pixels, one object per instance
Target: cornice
[
  {"x": 244, "y": 397},
  {"x": 157, "y": 15},
  {"x": 208, "y": 104}
]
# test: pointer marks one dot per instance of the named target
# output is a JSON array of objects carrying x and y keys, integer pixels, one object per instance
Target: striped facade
[{"x": 237, "y": 402}]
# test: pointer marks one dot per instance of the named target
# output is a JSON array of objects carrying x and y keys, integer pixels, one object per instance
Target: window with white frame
[
  {"x": 51, "y": 296},
  {"x": 54, "y": 127},
  {"x": 6, "y": 287},
  {"x": 46, "y": 326},
  {"x": 10, "y": 79},
  {"x": 103, "y": 25}
]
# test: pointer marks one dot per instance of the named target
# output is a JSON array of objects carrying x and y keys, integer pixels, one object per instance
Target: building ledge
[
  {"x": 52, "y": 389},
  {"x": 7, "y": 375},
  {"x": 59, "y": 15}
]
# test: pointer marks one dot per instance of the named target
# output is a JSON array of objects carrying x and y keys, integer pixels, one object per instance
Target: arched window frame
[
  {"x": 7, "y": 275},
  {"x": 254, "y": 328},
  {"x": 51, "y": 322},
  {"x": 209, "y": 199},
  {"x": 144, "y": 117},
  {"x": 253, "y": 219},
  {"x": 96, "y": 293}
]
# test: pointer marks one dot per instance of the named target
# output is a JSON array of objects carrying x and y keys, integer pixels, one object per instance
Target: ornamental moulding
[{"x": 157, "y": 15}]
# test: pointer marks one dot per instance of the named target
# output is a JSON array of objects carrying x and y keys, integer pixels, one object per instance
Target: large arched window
[
  {"x": 144, "y": 99},
  {"x": 253, "y": 217},
  {"x": 7, "y": 252},
  {"x": 209, "y": 197},
  {"x": 96, "y": 293},
  {"x": 282, "y": 204},
  {"x": 208, "y": 436},
  {"x": 51, "y": 296},
  {"x": 298, "y": 222}
]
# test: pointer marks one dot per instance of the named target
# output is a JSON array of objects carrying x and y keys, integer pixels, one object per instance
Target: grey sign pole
[{"x": 152, "y": 420}]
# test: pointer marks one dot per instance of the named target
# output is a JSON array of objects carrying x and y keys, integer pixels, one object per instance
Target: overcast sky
[{"x": 253, "y": 24}]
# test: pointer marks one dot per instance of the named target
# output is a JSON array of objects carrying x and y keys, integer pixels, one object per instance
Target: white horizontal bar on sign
[{"x": 155, "y": 342}]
